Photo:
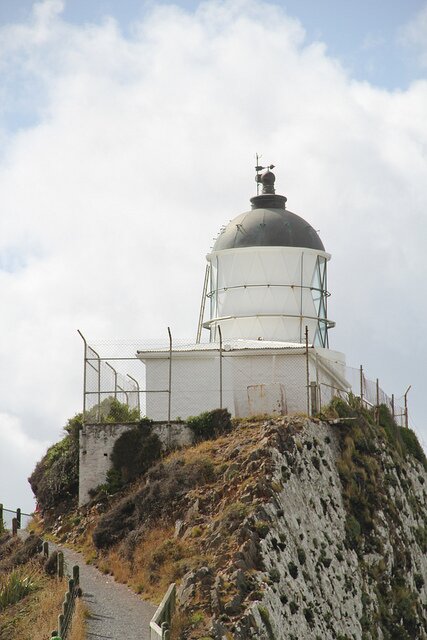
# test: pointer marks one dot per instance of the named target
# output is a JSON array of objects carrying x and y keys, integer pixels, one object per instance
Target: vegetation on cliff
[{"x": 55, "y": 480}]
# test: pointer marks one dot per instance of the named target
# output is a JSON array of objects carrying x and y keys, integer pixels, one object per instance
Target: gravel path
[{"x": 115, "y": 611}]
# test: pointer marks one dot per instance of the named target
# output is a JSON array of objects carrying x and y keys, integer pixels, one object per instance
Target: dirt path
[{"x": 116, "y": 612}]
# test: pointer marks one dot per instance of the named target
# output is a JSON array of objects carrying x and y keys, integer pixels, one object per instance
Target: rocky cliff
[
  {"x": 333, "y": 537},
  {"x": 287, "y": 528},
  {"x": 337, "y": 551}
]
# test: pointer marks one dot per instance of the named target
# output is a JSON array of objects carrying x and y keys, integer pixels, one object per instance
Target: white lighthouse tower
[
  {"x": 266, "y": 291},
  {"x": 267, "y": 275}
]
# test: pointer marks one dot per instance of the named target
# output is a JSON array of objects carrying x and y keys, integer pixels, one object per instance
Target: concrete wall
[{"x": 97, "y": 442}]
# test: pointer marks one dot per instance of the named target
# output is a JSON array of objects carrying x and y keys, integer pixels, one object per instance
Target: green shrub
[
  {"x": 293, "y": 569},
  {"x": 210, "y": 425},
  {"x": 55, "y": 480},
  {"x": 309, "y": 616},
  {"x": 412, "y": 446},
  {"x": 110, "y": 410},
  {"x": 419, "y": 581},
  {"x": 134, "y": 452},
  {"x": 352, "y": 532},
  {"x": 262, "y": 528},
  {"x": 274, "y": 575},
  {"x": 293, "y": 607},
  {"x": 265, "y": 617}
]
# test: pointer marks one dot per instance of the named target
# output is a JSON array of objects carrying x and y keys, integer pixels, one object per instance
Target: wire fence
[{"x": 170, "y": 380}]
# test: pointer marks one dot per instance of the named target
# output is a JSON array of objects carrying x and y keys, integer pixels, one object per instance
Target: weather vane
[{"x": 258, "y": 169}]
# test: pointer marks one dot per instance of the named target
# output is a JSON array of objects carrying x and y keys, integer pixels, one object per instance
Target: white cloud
[
  {"x": 18, "y": 452},
  {"x": 144, "y": 147}
]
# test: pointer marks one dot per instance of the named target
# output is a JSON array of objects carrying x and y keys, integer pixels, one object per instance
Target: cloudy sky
[{"x": 128, "y": 132}]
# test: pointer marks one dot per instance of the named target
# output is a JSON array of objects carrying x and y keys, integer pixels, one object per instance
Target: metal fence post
[
  {"x": 313, "y": 397},
  {"x": 84, "y": 373},
  {"x": 115, "y": 379},
  {"x": 1, "y": 515},
  {"x": 18, "y": 517},
  {"x": 99, "y": 388},
  {"x": 377, "y": 408},
  {"x": 220, "y": 366},
  {"x": 361, "y": 385},
  {"x": 138, "y": 398},
  {"x": 307, "y": 370},
  {"x": 170, "y": 376},
  {"x": 406, "y": 408},
  {"x": 392, "y": 405}
]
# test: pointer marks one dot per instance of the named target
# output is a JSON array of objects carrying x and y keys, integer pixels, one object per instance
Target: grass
[
  {"x": 78, "y": 629},
  {"x": 15, "y": 585},
  {"x": 35, "y": 615}
]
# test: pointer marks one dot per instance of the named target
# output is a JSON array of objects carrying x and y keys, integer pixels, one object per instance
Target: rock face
[{"x": 330, "y": 543}]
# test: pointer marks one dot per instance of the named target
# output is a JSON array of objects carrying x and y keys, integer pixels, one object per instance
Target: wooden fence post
[
  {"x": 18, "y": 517},
  {"x": 60, "y": 624},
  {"x": 60, "y": 565},
  {"x": 1, "y": 514},
  {"x": 76, "y": 575},
  {"x": 14, "y": 526},
  {"x": 46, "y": 549}
]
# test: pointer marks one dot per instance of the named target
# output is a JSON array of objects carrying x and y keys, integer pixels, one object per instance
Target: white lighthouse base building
[
  {"x": 266, "y": 290},
  {"x": 247, "y": 377}
]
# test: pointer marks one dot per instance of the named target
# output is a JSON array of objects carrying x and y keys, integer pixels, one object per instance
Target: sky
[{"x": 128, "y": 132}]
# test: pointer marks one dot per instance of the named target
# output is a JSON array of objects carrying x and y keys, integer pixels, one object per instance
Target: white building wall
[{"x": 252, "y": 383}]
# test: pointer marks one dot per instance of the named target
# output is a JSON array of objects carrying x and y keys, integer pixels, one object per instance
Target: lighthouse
[
  {"x": 267, "y": 274},
  {"x": 265, "y": 296}
]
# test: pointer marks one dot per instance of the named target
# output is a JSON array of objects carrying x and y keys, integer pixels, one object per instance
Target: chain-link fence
[{"x": 170, "y": 380}]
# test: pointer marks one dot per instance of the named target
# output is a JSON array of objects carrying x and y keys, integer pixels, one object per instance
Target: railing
[
  {"x": 161, "y": 621},
  {"x": 370, "y": 393},
  {"x": 15, "y": 522},
  {"x": 69, "y": 604}
]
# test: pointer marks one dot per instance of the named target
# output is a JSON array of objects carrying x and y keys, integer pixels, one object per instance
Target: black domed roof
[{"x": 269, "y": 224}]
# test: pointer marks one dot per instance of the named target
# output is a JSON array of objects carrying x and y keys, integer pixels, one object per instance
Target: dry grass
[
  {"x": 159, "y": 559},
  {"x": 34, "y": 617},
  {"x": 78, "y": 629}
]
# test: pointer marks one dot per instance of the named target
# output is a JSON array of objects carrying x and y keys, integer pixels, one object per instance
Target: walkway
[{"x": 116, "y": 611}]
